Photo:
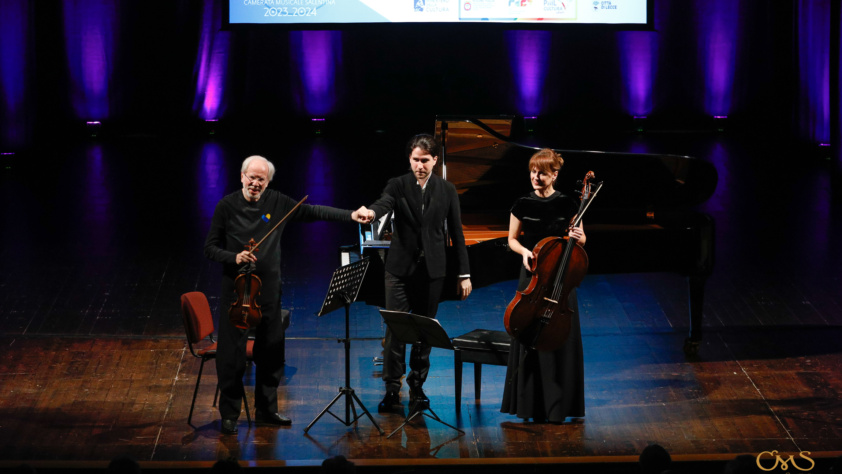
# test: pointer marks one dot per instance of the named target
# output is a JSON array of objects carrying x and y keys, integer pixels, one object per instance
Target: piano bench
[{"x": 480, "y": 346}]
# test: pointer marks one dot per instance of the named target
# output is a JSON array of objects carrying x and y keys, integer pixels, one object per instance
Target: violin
[
  {"x": 245, "y": 312},
  {"x": 539, "y": 317}
]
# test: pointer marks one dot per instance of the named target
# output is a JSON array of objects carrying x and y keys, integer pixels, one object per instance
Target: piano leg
[{"x": 696, "y": 286}]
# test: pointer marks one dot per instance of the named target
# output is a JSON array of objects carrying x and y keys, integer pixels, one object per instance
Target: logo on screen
[
  {"x": 419, "y": 5},
  {"x": 555, "y": 6}
]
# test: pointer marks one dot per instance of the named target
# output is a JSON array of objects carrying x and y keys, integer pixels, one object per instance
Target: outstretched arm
[{"x": 363, "y": 215}]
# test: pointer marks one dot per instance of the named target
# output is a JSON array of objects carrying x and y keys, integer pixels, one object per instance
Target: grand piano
[{"x": 641, "y": 221}]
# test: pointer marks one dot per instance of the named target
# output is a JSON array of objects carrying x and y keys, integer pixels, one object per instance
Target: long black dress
[{"x": 547, "y": 386}]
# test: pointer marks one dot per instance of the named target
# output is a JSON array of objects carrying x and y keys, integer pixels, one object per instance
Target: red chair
[{"x": 198, "y": 324}]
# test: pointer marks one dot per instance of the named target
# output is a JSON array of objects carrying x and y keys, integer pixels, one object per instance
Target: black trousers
[
  {"x": 417, "y": 294},
  {"x": 268, "y": 355}
]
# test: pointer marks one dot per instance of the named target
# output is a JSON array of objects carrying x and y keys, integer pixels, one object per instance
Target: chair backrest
[{"x": 197, "y": 316}]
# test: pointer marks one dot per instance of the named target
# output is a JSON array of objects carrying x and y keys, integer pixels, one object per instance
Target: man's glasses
[{"x": 256, "y": 179}]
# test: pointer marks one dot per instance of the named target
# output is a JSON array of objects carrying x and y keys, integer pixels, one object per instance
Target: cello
[
  {"x": 539, "y": 316},
  {"x": 245, "y": 312}
]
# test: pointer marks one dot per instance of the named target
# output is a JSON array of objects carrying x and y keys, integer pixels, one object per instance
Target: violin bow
[
  {"x": 591, "y": 197},
  {"x": 279, "y": 223}
]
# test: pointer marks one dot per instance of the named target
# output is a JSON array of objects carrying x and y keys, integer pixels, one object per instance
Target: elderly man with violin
[{"x": 251, "y": 286}]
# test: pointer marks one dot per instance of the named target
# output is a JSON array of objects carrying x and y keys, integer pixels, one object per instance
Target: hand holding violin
[{"x": 245, "y": 257}]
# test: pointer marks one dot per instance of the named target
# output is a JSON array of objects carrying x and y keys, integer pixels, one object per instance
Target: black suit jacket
[{"x": 414, "y": 230}]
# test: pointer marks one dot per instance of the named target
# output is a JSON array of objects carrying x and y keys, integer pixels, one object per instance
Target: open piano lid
[{"x": 490, "y": 173}]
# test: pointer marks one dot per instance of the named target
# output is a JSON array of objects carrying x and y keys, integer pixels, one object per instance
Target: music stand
[
  {"x": 410, "y": 328},
  {"x": 343, "y": 290}
]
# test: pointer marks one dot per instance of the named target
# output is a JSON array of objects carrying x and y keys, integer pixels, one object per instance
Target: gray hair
[{"x": 248, "y": 161}]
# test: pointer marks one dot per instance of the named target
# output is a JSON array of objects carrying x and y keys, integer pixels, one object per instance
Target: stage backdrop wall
[{"x": 167, "y": 65}]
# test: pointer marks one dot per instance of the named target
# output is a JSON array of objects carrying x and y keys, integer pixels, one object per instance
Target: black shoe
[
  {"x": 390, "y": 403},
  {"x": 418, "y": 400},
  {"x": 229, "y": 427},
  {"x": 272, "y": 419}
]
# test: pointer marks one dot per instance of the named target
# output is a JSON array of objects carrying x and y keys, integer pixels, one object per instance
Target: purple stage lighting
[
  {"x": 321, "y": 183},
  {"x": 14, "y": 47},
  {"x": 718, "y": 35},
  {"x": 90, "y": 28},
  {"x": 722, "y": 158},
  {"x": 528, "y": 55},
  {"x": 638, "y": 61},
  {"x": 211, "y": 64},
  {"x": 814, "y": 70},
  {"x": 98, "y": 215},
  {"x": 320, "y": 178},
  {"x": 316, "y": 55},
  {"x": 212, "y": 179}
]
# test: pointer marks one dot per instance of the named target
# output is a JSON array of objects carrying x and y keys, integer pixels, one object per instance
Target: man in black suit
[{"x": 415, "y": 266}]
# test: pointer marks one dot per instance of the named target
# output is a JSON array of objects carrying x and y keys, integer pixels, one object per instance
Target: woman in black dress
[{"x": 545, "y": 386}]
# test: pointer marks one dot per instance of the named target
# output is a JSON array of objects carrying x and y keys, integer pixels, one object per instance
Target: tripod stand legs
[
  {"x": 415, "y": 412},
  {"x": 347, "y": 391},
  {"x": 350, "y": 398}
]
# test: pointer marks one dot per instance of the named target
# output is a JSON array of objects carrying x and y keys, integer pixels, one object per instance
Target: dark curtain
[{"x": 394, "y": 73}]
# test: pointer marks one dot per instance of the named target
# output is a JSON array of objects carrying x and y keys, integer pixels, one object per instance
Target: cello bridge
[{"x": 551, "y": 301}]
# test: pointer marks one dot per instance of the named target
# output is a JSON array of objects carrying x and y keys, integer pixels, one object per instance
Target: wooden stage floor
[
  {"x": 93, "y": 362},
  {"x": 83, "y": 399}
]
